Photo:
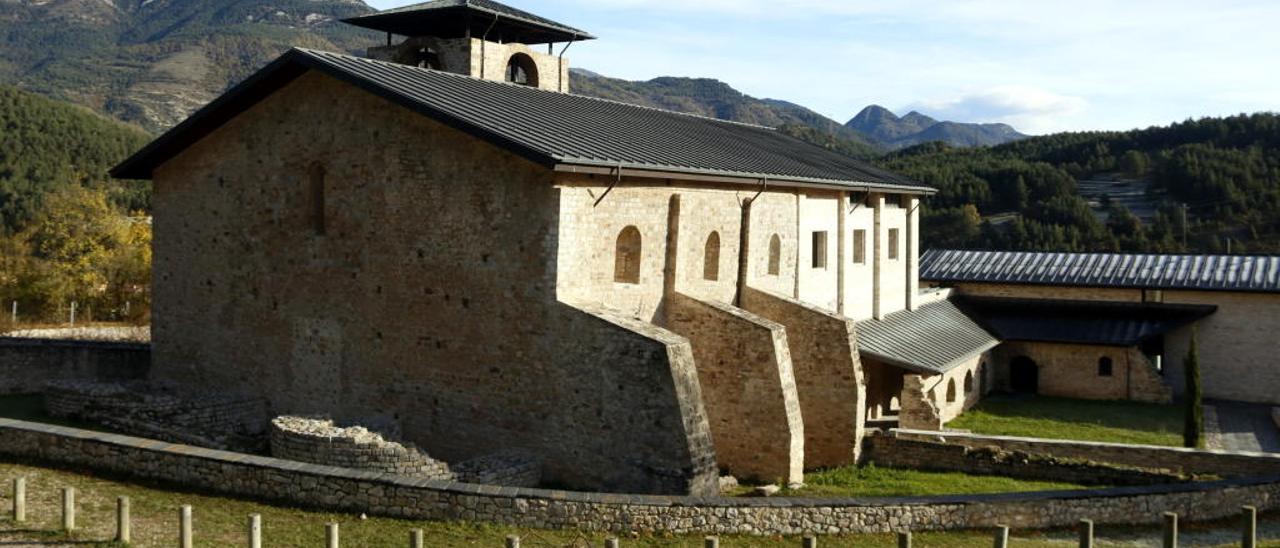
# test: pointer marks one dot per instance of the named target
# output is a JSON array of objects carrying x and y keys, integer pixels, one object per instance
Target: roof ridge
[{"x": 520, "y": 86}]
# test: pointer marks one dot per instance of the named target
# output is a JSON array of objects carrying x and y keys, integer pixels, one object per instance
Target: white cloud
[{"x": 1029, "y": 109}]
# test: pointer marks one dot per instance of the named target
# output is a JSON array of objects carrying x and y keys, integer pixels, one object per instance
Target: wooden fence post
[
  {"x": 1249, "y": 537},
  {"x": 331, "y": 535},
  {"x": 809, "y": 541},
  {"x": 611, "y": 543},
  {"x": 68, "y": 509},
  {"x": 1002, "y": 537},
  {"x": 711, "y": 542},
  {"x": 415, "y": 538},
  {"x": 184, "y": 526},
  {"x": 1086, "y": 533},
  {"x": 123, "y": 529},
  {"x": 904, "y": 539},
  {"x": 20, "y": 500},
  {"x": 255, "y": 530},
  {"x": 1170, "y": 530},
  {"x": 513, "y": 541}
]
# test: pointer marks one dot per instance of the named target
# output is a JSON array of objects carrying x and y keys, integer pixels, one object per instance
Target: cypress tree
[{"x": 1193, "y": 433}]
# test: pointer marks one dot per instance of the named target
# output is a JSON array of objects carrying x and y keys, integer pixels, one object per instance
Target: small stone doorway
[{"x": 1024, "y": 376}]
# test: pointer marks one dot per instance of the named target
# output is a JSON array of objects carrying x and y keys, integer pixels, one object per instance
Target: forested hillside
[
  {"x": 68, "y": 232},
  {"x": 1022, "y": 195}
]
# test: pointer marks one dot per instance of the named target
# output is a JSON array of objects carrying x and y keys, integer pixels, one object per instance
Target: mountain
[
  {"x": 152, "y": 62},
  {"x": 888, "y": 130},
  {"x": 48, "y": 144}
]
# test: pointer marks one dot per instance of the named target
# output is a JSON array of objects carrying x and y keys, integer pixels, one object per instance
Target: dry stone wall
[
  {"x": 346, "y": 490},
  {"x": 320, "y": 441},
  {"x": 26, "y": 365},
  {"x": 898, "y": 452},
  {"x": 512, "y": 468}
]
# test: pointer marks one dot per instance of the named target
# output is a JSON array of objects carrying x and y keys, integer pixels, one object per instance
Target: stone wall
[
  {"x": 343, "y": 490},
  {"x": 367, "y": 314},
  {"x": 511, "y": 468},
  {"x": 920, "y": 409},
  {"x": 828, "y": 375},
  {"x": 478, "y": 59},
  {"x": 1072, "y": 371},
  {"x": 748, "y": 388},
  {"x": 320, "y": 441},
  {"x": 918, "y": 454},
  {"x": 1177, "y": 459},
  {"x": 26, "y": 365}
]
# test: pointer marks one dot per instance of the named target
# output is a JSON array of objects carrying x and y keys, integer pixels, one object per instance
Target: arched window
[
  {"x": 968, "y": 382},
  {"x": 711, "y": 258},
  {"x": 775, "y": 255},
  {"x": 626, "y": 259},
  {"x": 522, "y": 70},
  {"x": 1105, "y": 368},
  {"x": 951, "y": 391},
  {"x": 428, "y": 58},
  {"x": 315, "y": 198}
]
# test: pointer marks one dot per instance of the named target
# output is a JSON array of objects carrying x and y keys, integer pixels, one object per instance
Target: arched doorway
[{"x": 1024, "y": 375}]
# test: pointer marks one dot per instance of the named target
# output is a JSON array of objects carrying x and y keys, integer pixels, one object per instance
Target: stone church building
[{"x": 441, "y": 235}]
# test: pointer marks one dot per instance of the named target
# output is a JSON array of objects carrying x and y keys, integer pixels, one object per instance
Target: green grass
[
  {"x": 1088, "y": 420},
  {"x": 872, "y": 481}
]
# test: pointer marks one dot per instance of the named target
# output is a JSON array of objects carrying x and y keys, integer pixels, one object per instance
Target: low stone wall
[
  {"x": 346, "y": 490},
  {"x": 899, "y": 452},
  {"x": 320, "y": 441},
  {"x": 1177, "y": 459},
  {"x": 211, "y": 420},
  {"x": 510, "y": 468},
  {"x": 26, "y": 365}
]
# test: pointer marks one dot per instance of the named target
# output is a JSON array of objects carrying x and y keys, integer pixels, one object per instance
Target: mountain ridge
[{"x": 894, "y": 132}]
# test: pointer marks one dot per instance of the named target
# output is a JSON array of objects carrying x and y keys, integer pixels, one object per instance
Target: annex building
[{"x": 440, "y": 235}]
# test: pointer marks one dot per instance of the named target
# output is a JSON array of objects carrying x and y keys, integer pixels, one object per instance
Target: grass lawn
[
  {"x": 1061, "y": 418},
  {"x": 871, "y": 481},
  {"x": 221, "y": 522}
]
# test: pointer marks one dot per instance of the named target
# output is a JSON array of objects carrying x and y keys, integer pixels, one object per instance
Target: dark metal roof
[
  {"x": 1138, "y": 271},
  {"x": 557, "y": 130},
  {"x": 459, "y": 18},
  {"x": 1104, "y": 323},
  {"x": 931, "y": 339}
]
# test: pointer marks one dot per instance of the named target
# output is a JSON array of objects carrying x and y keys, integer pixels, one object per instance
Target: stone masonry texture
[
  {"x": 368, "y": 317},
  {"x": 395, "y": 496},
  {"x": 26, "y": 365}
]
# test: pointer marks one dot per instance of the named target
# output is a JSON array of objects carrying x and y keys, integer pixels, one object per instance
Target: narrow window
[
  {"x": 626, "y": 260},
  {"x": 893, "y": 244},
  {"x": 711, "y": 258},
  {"x": 775, "y": 255},
  {"x": 859, "y": 247},
  {"x": 1105, "y": 368},
  {"x": 315, "y": 199},
  {"x": 951, "y": 391},
  {"x": 968, "y": 382},
  {"x": 820, "y": 249}
]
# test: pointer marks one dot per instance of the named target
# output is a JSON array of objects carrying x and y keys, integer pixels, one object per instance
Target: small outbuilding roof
[
  {"x": 459, "y": 18},
  {"x": 932, "y": 339},
  {"x": 565, "y": 132},
  {"x": 1249, "y": 273},
  {"x": 1105, "y": 323}
]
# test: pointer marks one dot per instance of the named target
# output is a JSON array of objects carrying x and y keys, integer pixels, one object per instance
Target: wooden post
[
  {"x": 711, "y": 542},
  {"x": 1249, "y": 538},
  {"x": 1170, "y": 530},
  {"x": 809, "y": 541},
  {"x": 1086, "y": 533},
  {"x": 20, "y": 500},
  {"x": 1002, "y": 537},
  {"x": 255, "y": 530},
  {"x": 415, "y": 539},
  {"x": 513, "y": 541},
  {"x": 123, "y": 533},
  {"x": 904, "y": 539},
  {"x": 73, "y": 313},
  {"x": 331, "y": 535},
  {"x": 68, "y": 509},
  {"x": 611, "y": 543},
  {"x": 184, "y": 526},
  {"x": 15, "y": 313}
]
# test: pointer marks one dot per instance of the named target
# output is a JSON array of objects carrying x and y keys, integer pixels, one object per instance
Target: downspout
[
  {"x": 483, "y": 40},
  {"x": 744, "y": 243},
  {"x": 563, "y": 76}
]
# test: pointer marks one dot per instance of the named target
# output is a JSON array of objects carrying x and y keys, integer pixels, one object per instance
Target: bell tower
[{"x": 478, "y": 38}]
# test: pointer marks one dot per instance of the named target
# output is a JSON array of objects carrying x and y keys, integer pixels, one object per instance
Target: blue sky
[{"x": 1042, "y": 66}]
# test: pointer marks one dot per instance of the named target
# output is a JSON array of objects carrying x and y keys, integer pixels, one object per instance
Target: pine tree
[{"x": 1193, "y": 434}]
